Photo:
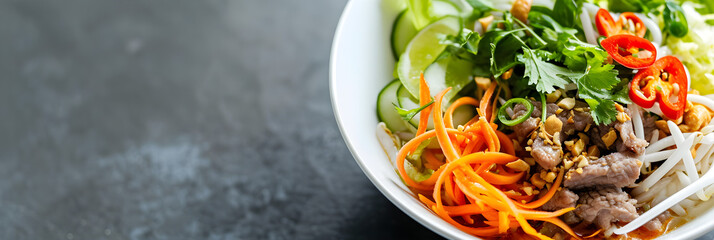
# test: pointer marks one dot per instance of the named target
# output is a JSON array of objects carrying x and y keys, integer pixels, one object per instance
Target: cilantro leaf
[
  {"x": 622, "y": 92},
  {"x": 544, "y": 75},
  {"x": 409, "y": 114},
  {"x": 603, "y": 110},
  {"x": 467, "y": 41},
  {"x": 578, "y": 55},
  {"x": 597, "y": 83}
]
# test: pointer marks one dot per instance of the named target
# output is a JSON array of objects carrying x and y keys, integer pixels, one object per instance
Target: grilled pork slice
[{"x": 616, "y": 169}]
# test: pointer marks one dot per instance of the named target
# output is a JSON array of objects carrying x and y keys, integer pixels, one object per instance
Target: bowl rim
[{"x": 681, "y": 232}]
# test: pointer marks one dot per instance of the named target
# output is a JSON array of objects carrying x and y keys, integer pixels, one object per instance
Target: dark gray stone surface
[{"x": 178, "y": 120}]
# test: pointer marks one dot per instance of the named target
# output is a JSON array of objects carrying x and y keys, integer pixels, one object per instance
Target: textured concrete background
[{"x": 169, "y": 119}]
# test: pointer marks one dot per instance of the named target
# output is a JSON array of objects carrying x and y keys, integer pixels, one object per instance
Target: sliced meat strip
[
  {"x": 571, "y": 218},
  {"x": 546, "y": 155},
  {"x": 564, "y": 198},
  {"x": 604, "y": 206},
  {"x": 615, "y": 169},
  {"x": 656, "y": 223},
  {"x": 525, "y": 128},
  {"x": 626, "y": 139},
  {"x": 629, "y": 140}
]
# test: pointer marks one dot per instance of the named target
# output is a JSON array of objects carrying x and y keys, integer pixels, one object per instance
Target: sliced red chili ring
[
  {"x": 606, "y": 26},
  {"x": 660, "y": 89},
  {"x": 637, "y": 25},
  {"x": 677, "y": 75},
  {"x": 620, "y": 48}
]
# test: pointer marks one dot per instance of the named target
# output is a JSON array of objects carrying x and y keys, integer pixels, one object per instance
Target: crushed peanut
[
  {"x": 578, "y": 147},
  {"x": 485, "y": 22},
  {"x": 520, "y": 9},
  {"x": 583, "y": 163},
  {"x": 537, "y": 181},
  {"x": 579, "y": 170},
  {"x": 567, "y": 103},
  {"x": 568, "y": 164},
  {"x": 593, "y": 151},
  {"x": 518, "y": 165},
  {"x": 550, "y": 177},
  {"x": 482, "y": 82},
  {"x": 584, "y": 137},
  {"x": 553, "y": 125},
  {"x": 528, "y": 190},
  {"x": 622, "y": 117},
  {"x": 619, "y": 107},
  {"x": 513, "y": 192},
  {"x": 556, "y": 139},
  {"x": 609, "y": 138},
  {"x": 579, "y": 158},
  {"x": 552, "y": 97},
  {"x": 695, "y": 118}
]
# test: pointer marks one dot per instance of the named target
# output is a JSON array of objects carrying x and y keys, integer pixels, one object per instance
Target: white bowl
[{"x": 361, "y": 64}]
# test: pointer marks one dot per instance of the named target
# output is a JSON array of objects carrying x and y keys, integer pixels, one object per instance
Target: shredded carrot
[
  {"x": 448, "y": 115},
  {"x": 472, "y": 182},
  {"x": 483, "y": 106},
  {"x": 500, "y": 179},
  {"x": 440, "y": 127},
  {"x": 506, "y": 143},
  {"x": 493, "y": 110},
  {"x": 424, "y": 98}
]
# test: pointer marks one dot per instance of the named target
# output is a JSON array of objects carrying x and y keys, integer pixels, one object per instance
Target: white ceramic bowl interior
[{"x": 361, "y": 64}]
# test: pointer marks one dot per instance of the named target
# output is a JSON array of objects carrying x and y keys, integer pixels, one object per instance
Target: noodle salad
[{"x": 564, "y": 119}]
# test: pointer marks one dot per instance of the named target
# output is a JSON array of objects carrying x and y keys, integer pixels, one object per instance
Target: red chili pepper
[
  {"x": 622, "y": 48},
  {"x": 658, "y": 83},
  {"x": 607, "y": 26},
  {"x": 637, "y": 25}
]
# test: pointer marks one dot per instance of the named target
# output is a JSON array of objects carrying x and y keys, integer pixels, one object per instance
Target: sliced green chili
[
  {"x": 503, "y": 117},
  {"x": 599, "y": 40}
]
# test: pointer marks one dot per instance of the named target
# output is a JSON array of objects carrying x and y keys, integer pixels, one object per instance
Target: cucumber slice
[
  {"x": 463, "y": 114},
  {"x": 422, "y": 51},
  {"x": 385, "y": 108},
  {"x": 406, "y": 101},
  {"x": 443, "y": 8},
  {"x": 403, "y": 29}
]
